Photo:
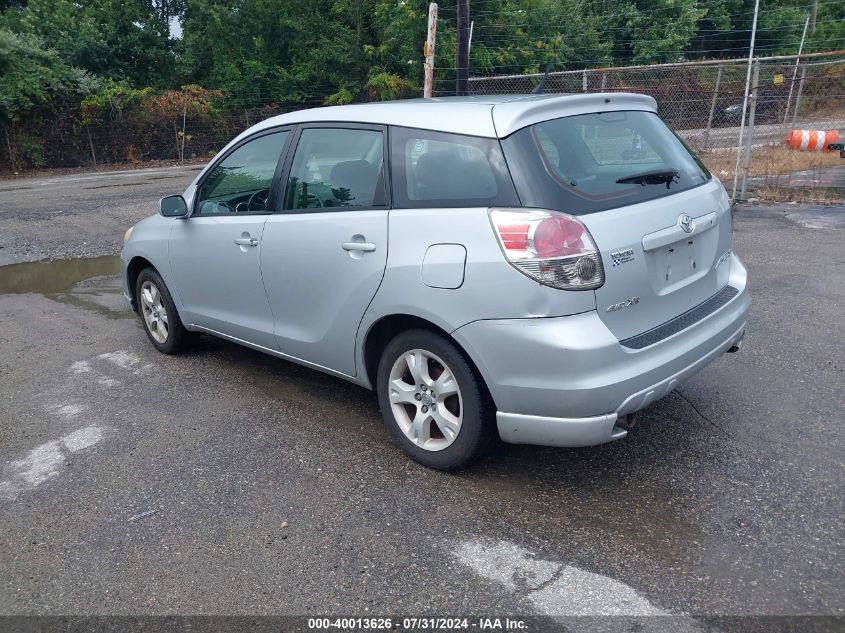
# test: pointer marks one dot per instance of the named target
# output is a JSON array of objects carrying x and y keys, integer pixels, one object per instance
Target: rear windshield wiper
[{"x": 656, "y": 177}]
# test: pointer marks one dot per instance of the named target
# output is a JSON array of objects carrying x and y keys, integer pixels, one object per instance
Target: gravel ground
[
  {"x": 223, "y": 481},
  {"x": 80, "y": 215}
]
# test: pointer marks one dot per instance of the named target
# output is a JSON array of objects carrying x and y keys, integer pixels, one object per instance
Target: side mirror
[{"x": 173, "y": 207}]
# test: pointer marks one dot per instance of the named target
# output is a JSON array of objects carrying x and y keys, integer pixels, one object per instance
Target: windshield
[{"x": 593, "y": 162}]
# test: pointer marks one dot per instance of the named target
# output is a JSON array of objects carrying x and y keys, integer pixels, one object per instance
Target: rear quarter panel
[{"x": 491, "y": 288}]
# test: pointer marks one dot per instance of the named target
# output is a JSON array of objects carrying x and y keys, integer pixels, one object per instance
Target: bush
[
  {"x": 30, "y": 152},
  {"x": 341, "y": 97},
  {"x": 388, "y": 86}
]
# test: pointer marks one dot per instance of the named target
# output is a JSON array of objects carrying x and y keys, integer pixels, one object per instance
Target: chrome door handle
[
  {"x": 246, "y": 241},
  {"x": 366, "y": 247}
]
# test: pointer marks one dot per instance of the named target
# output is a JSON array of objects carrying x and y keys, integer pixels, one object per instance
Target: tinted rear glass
[
  {"x": 573, "y": 163},
  {"x": 436, "y": 169}
]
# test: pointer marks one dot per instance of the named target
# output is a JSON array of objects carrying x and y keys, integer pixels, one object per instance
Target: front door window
[{"x": 241, "y": 182}]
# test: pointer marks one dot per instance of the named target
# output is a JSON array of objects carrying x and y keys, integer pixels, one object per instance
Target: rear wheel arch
[{"x": 387, "y": 327}]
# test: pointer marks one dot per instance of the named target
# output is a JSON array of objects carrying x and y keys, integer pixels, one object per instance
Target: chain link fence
[{"x": 703, "y": 102}]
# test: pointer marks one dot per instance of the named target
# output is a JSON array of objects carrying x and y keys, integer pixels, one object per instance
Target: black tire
[
  {"x": 178, "y": 338},
  {"x": 476, "y": 427}
]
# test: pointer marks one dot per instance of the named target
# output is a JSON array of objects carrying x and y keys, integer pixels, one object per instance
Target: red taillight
[
  {"x": 549, "y": 238},
  {"x": 558, "y": 236},
  {"x": 551, "y": 247},
  {"x": 574, "y": 238},
  {"x": 515, "y": 236}
]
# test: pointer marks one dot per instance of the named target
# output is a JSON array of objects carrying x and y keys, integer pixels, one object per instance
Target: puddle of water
[
  {"x": 54, "y": 277},
  {"x": 85, "y": 283}
]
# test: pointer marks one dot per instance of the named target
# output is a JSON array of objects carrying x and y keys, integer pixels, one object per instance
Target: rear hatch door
[
  {"x": 661, "y": 257},
  {"x": 660, "y": 221}
]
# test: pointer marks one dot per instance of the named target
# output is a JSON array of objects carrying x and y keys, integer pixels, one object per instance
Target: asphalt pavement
[{"x": 223, "y": 481}]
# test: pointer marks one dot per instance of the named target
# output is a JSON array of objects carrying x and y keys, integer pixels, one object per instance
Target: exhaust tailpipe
[
  {"x": 733, "y": 349},
  {"x": 627, "y": 421}
]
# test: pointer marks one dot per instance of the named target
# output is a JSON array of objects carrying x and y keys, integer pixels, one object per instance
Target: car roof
[{"x": 493, "y": 116}]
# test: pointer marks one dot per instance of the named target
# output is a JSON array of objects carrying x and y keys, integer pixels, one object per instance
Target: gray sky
[{"x": 175, "y": 28}]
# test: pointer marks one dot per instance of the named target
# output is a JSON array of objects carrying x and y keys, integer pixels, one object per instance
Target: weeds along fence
[
  {"x": 137, "y": 137},
  {"x": 703, "y": 102},
  {"x": 177, "y": 125}
]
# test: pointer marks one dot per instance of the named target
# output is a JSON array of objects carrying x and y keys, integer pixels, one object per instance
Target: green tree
[
  {"x": 288, "y": 52},
  {"x": 525, "y": 36},
  {"x": 84, "y": 63},
  {"x": 830, "y": 28},
  {"x": 35, "y": 84},
  {"x": 396, "y": 51},
  {"x": 118, "y": 39},
  {"x": 166, "y": 10},
  {"x": 651, "y": 31}
]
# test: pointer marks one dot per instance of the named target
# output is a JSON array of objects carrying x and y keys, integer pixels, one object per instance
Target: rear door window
[
  {"x": 436, "y": 169},
  {"x": 574, "y": 163}
]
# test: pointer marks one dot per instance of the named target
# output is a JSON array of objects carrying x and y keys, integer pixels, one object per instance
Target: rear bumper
[
  {"x": 516, "y": 428},
  {"x": 539, "y": 370}
]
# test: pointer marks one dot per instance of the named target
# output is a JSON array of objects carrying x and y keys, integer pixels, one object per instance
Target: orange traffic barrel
[{"x": 811, "y": 140}]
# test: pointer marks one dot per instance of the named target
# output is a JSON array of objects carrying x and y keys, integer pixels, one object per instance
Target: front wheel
[
  {"x": 158, "y": 313},
  {"x": 432, "y": 402}
]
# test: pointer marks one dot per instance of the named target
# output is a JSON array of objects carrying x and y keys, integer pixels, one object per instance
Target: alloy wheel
[
  {"x": 154, "y": 312},
  {"x": 425, "y": 399}
]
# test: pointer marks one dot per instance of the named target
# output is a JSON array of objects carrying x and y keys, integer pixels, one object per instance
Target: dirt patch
[
  {"x": 783, "y": 193},
  {"x": 770, "y": 161},
  {"x": 779, "y": 174}
]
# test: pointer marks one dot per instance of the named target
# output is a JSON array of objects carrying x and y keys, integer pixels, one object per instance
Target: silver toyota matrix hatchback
[{"x": 538, "y": 267}]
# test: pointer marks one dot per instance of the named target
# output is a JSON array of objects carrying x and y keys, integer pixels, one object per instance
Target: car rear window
[
  {"x": 436, "y": 169},
  {"x": 573, "y": 163}
]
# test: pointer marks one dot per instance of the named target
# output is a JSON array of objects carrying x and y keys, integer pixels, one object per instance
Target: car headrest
[
  {"x": 358, "y": 176},
  {"x": 445, "y": 174}
]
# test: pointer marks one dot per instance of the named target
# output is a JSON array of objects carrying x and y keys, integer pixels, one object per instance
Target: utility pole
[
  {"x": 814, "y": 9},
  {"x": 755, "y": 83},
  {"x": 798, "y": 96},
  {"x": 712, "y": 107},
  {"x": 462, "y": 56},
  {"x": 745, "y": 98},
  {"x": 795, "y": 71},
  {"x": 429, "y": 50}
]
